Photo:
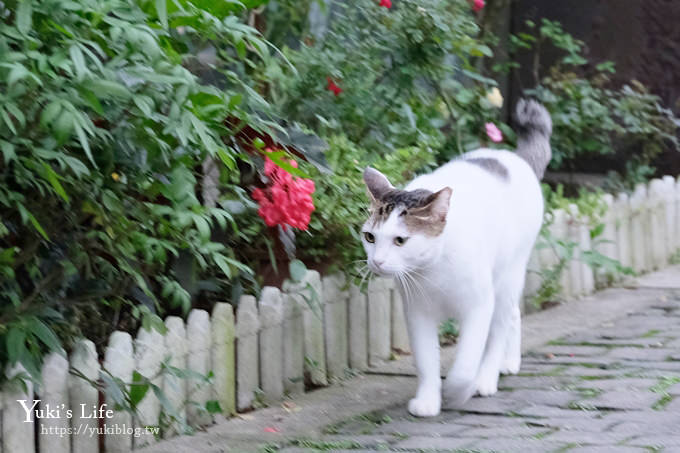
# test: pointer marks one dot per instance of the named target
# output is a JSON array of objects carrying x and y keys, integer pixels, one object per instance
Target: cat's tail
[{"x": 534, "y": 128}]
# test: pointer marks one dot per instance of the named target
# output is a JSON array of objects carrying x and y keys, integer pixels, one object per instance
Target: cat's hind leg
[
  {"x": 460, "y": 383},
  {"x": 504, "y": 338},
  {"x": 513, "y": 348}
]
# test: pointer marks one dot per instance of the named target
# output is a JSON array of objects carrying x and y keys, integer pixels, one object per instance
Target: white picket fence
[{"x": 312, "y": 331}]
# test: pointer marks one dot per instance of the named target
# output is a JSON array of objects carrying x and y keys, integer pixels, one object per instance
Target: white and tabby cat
[{"x": 457, "y": 242}]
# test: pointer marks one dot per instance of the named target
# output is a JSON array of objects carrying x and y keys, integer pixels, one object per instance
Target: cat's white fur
[{"x": 473, "y": 271}]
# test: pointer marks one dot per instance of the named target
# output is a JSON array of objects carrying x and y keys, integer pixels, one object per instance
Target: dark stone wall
[{"x": 641, "y": 36}]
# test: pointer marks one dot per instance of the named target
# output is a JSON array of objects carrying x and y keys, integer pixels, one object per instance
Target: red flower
[
  {"x": 288, "y": 200},
  {"x": 386, "y": 3},
  {"x": 478, "y": 5},
  {"x": 332, "y": 86}
]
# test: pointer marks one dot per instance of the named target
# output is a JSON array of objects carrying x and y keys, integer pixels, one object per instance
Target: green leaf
[
  {"x": 202, "y": 226},
  {"x": 26, "y": 215},
  {"x": 24, "y": 16},
  {"x": 84, "y": 142},
  {"x": 53, "y": 179},
  {"x": 8, "y": 152},
  {"x": 16, "y": 344},
  {"x": 50, "y": 113},
  {"x": 138, "y": 388},
  {"x": 109, "y": 89},
  {"x": 213, "y": 407},
  {"x": 222, "y": 264},
  {"x": 63, "y": 126},
  {"x": 298, "y": 270},
  {"x": 45, "y": 334},
  {"x": 78, "y": 61},
  {"x": 162, "y": 11}
]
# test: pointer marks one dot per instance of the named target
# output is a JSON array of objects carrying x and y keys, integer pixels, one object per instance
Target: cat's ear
[
  {"x": 376, "y": 183},
  {"x": 433, "y": 213},
  {"x": 439, "y": 206}
]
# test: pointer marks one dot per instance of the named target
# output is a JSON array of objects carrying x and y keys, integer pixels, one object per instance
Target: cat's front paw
[
  {"x": 487, "y": 384},
  {"x": 457, "y": 392},
  {"x": 425, "y": 406},
  {"x": 510, "y": 366}
]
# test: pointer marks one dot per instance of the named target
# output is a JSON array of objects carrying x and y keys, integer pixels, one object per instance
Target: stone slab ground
[{"x": 599, "y": 375}]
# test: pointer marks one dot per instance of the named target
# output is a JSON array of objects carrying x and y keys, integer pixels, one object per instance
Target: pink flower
[
  {"x": 494, "y": 134},
  {"x": 332, "y": 86},
  {"x": 386, "y": 3},
  {"x": 287, "y": 201},
  {"x": 478, "y": 5}
]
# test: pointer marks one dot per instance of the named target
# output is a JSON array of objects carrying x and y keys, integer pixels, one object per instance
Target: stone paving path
[
  {"x": 611, "y": 389},
  {"x": 600, "y": 375}
]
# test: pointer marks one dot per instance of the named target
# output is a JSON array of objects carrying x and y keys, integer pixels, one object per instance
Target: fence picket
[
  {"x": 308, "y": 295},
  {"x": 670, "y": 211},
  {"x": 174, "y": 387},
  {"x": 198, "y": 361},
  {"x": 271, "y": 344},
  {"x": 400, "y": 341},
  {"x": 574, "y": 266},
  {"x": 83, "y": 360},
  {"x": 17, "y": 436},
  {"x": 224, "y": 356},
  {"x": 638, "y": 229},
  {"x": 149, "y": 351},
  {"x": 358, "y": 329},
  {"x": 293, "y": 345},
  {"x": 54, "y": 395},
  {"x": 247, "y": 359},
  {"x": 335, "y": 297},
  {"x": 119, "y": 362},
  {"x": 379, "y": 331},
  {"x": 657, "y": 221}
]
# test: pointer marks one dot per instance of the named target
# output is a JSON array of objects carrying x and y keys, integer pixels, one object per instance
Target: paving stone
[
  {"x": 594, "y": 340},
  {"x": 506, "y": 431},
  {"x": 640, "y": 429},
  {"x": 434, "y": 443},
  {"x": 557, "y": 398},
  {"x": 670, "y": 368},
  {"x": 534, "y": 382},
  {"x": 542, "y": 369},
  {"x": 583, "y": 438},
  {"x": 480, "y": 420},
  {"x": 492, "y": 405},
  {"x": 577, "y": 423},
  {"x": 618, "y": 384},
  {"x": 566, "y": 360},
  {"x": 540, "y": 411},
  {"x": 519, "y": 445},
  {"x": 574, "y": 350},
  {"x": 420, "y": 428},
  {"x": 582, "y": 371},
  {"x": 664, "y": 441},
  {"x": 674, "y": 389},
  {"x": 613, "y": 449},
  {"x": 651, "y": 354},
  {"x": 673, "y": 406},
  {"x": 622, "y": 400}
]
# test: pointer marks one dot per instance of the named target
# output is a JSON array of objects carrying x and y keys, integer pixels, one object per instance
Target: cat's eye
[
  {"x": 399, "y": 241},
  {"x": 369, "y": 237}
]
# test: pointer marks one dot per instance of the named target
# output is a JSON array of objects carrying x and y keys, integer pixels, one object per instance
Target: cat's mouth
[{"x": 381, "y": 270}]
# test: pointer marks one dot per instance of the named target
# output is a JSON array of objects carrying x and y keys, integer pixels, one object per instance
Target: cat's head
[{"x": 403, "y": 231}]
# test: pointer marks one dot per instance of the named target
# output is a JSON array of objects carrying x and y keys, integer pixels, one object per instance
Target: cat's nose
[{"x": 378, "y": 263}]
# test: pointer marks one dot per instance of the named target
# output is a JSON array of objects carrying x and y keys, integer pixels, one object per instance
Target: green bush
[
  {"x": 102, "y": 135},
  {"x": 589, "y": 117},
  {"x": 406, "y": 74}
]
